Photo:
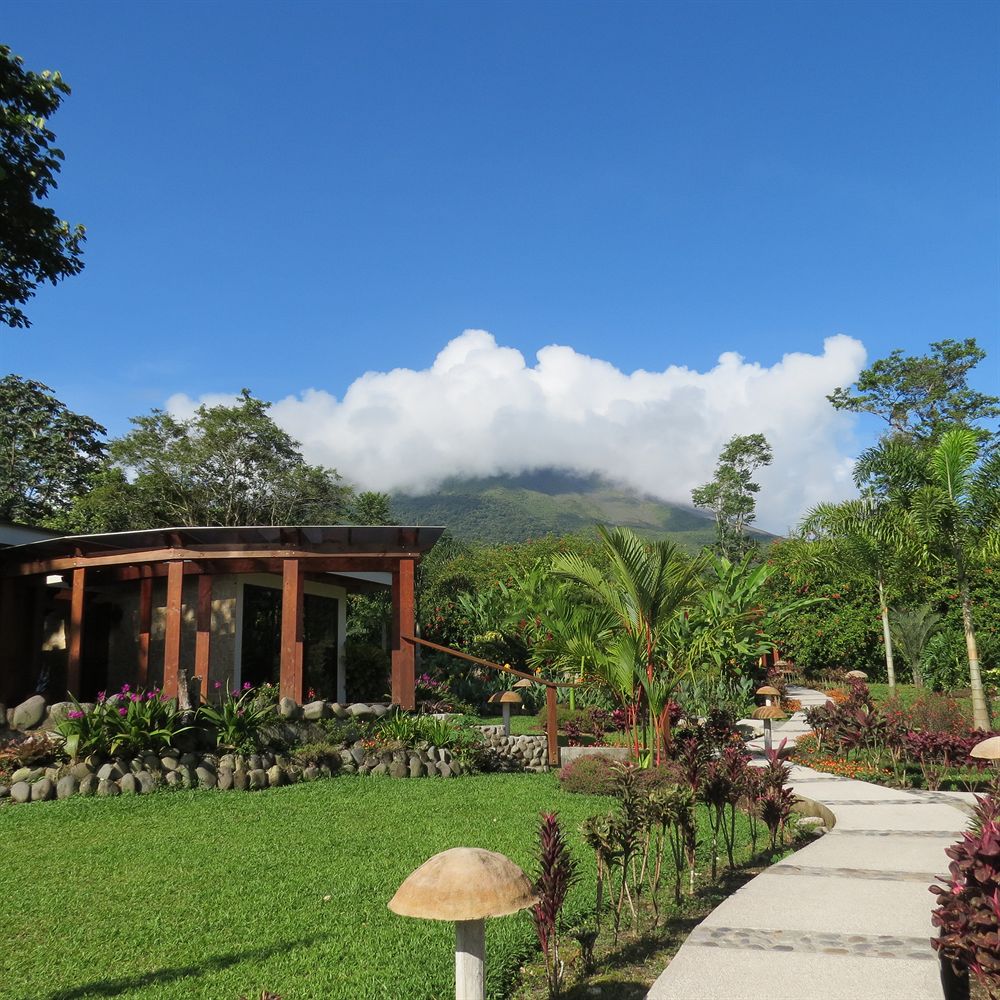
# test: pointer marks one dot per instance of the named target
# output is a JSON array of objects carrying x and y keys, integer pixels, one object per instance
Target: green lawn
[{"x": 207, "y": 895}]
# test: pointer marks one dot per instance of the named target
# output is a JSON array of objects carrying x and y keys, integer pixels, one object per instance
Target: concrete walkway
[{"x": 845, "y": 918}]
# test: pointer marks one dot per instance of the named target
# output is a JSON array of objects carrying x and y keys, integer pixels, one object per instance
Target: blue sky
[{"x": 288, "y": 195}]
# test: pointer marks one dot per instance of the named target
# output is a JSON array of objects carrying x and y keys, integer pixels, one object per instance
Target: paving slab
[{"x": 846, "y": 917}]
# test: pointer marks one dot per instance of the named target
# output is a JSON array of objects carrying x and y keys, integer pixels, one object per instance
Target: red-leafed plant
[
  {"x": 776, "y": 798},
  {"x": 557, "y": 871},
  {"x": 968, "y": 910}
]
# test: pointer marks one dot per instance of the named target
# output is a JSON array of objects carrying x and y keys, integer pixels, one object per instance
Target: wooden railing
[{"x": 551, "y": 719}]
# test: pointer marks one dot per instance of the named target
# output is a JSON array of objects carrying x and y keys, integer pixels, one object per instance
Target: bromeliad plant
[
  {"x": 128, "y": 722},
  {"x": 239, "y": 717}
]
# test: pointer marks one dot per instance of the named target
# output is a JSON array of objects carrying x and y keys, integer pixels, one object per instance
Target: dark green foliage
[
  {"x": 911, "y": 629},
  {"x": 919, "y": 397},
  {"x": 367, "y": 672},
  {"x": 48, "y": 453},
  {"x": 35, "y": 244},
  {"x": 731, "y": 495},
  {"x": 226, "y": 465}
]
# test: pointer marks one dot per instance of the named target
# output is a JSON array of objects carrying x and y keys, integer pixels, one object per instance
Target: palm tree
[
  {"x": 911, "y": 628},
  {"x": 949, "y": 501},
  {"x": 644, "y": 586},
  {"x": 871, "y": 537}
]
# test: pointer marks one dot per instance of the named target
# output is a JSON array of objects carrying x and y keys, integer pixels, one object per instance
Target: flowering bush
[
  {"x": 128, "y": 722},
  {"x": 239, "y": 717},
  {"x": 968, "y": 910},
  {"x": 593, "y": 774}
]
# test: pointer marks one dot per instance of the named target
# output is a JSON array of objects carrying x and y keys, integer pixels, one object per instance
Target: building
[{"x": 216, "y": 606}]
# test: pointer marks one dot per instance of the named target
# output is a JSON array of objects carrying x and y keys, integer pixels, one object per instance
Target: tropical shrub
[
  {"x": 592, "y": 774},
  {"x": 128, "y": 722},
  {"x": 239, "y": 718},
  {"x": 968, "y": 910},
  {"x": 557, "y": 871},
  {"x": 366, "y": 669}
]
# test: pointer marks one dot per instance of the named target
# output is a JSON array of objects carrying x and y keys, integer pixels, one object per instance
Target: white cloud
[{"x": 480, "y": 409}]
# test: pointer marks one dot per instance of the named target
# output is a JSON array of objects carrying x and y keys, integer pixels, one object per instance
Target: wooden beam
[
  {"x": 291, "y": 683},
  {"x": 403, "y": 651},
  {"x": 172, "y": 639},
  {"x": 203, "y": 637},
  {"x": 74, "y": 644},
  {"x": 316, "y": 558},
  {"x": 145, "y": 628}
]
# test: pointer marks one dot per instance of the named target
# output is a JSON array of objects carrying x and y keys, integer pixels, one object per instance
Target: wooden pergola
[{"x": 344, "y": 555}]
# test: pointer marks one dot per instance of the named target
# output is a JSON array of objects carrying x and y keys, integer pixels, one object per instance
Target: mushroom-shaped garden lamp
[
  {"x": 768, "y": 692},
  {"x": 988, "y": 749},
  {"x": 505, "y": 699},
  {"x": 466, "y": 885},
  {"x": 768, "y": 713},
  {"x": 524, "y": 683}
]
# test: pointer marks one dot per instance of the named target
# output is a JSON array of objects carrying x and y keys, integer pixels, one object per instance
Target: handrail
[
  {"x": 551, "y": 722},
  {"x": 488, "y": 663}
]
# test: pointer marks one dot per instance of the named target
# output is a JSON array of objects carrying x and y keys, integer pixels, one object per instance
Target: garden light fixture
[
  {"x": 768, "y": 692},
  {"x": 768, "y": 713},
  {"x": 505, "y": 699},
  {"x": 466, "y": 885}
]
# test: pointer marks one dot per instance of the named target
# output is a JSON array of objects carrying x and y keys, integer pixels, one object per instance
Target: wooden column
[
  {"x": 172, "y": 638},
  {"x": 292, "y": 683},
  {"x": 9, "y": 686},
  {"x": 403, "y": 622},
  {"x": 203, "y": 638},
  {"x": 74, "y": 641},
  {"x": 145, "y": 628},
  {"x": 551, "y": 725}
]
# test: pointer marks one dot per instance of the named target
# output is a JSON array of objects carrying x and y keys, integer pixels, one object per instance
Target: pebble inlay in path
[
  {"x": 858, "y": 945},
  {"x": 867, "y": 873}
]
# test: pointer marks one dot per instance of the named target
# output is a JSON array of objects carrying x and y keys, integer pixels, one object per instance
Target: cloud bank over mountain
[{"x": 480, "y": 409}]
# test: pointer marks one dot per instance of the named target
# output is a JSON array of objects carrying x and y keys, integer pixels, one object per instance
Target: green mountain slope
[{"x": 513, "y": 508}]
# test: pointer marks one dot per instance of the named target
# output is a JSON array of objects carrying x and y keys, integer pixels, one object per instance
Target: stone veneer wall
[{"x": 528, "y": 753}]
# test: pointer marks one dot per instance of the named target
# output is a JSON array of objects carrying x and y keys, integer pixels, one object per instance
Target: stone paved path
[{"x": 845, "y": 918}]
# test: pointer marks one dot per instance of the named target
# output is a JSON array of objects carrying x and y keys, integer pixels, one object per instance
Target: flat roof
[{"x": 327, "y": 538}]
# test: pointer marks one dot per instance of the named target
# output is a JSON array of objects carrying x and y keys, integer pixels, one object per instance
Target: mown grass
[
  {"x": 208, "y": 895},
  {"x": 215, "y": 896}
]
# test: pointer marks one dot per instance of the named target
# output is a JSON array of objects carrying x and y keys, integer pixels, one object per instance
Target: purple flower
[
  {"x": 234, "y": 693},
  {"x": 136, "y": 697},
  {"x": 125, "y": 689},
  {"x": 73, "y": 714},
  {"x": 216, "y": 685},
  {"x": 122, "y": 711},
  {"x": 247, "y": 685},
  {"x": 101, "y": 695}
]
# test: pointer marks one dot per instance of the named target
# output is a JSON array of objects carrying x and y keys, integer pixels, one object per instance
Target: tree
[
  {"x": 644, "y": 585},
  {"x": 35, "y": 244},
  {"x": 370, "y": 507},
  {"x": 920, "y": 397},
  {"x": 873, "y": 539},
  {"x": 47, "y": 452},
  {"x": 949, "y": 499},
  {"x": 731, "y": 494},
  {"x": 911, "y": 628},
  {"x": 226, "y": 465}
]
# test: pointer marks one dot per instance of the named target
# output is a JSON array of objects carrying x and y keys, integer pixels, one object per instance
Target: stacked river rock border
[{"x": 186, "y": 766}]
